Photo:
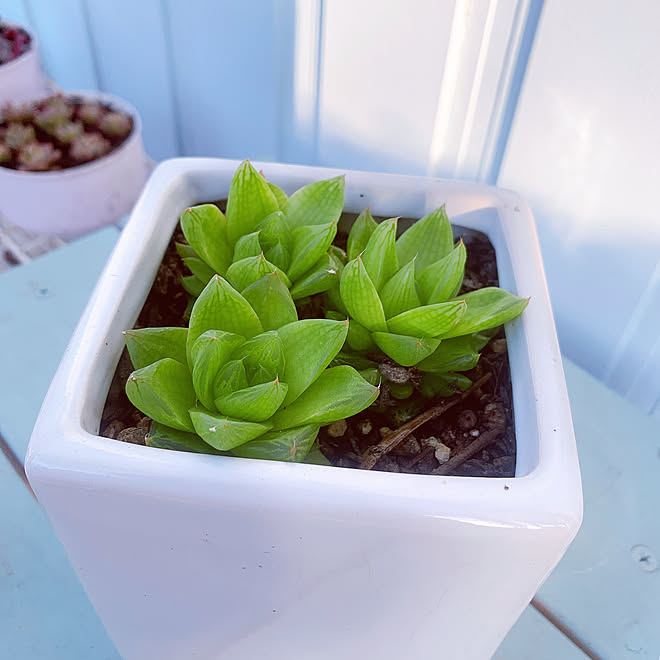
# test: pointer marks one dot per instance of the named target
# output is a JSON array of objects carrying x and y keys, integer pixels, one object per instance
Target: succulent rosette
[
  {"x": 264, "y": 227},
  {"x": 246, "y": 376},
  {"x": 401, "y": 297}
]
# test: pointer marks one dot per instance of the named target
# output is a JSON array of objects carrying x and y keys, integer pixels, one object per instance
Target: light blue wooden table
[{"x": 605, "y": 594}]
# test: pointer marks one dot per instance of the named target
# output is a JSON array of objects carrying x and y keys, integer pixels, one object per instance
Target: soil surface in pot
[{"x": 470, "y": 433}]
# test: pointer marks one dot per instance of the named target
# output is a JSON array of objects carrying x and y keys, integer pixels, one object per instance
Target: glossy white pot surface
[
  {"x": 77, "y": 200},
  {"x": 191, "y": 556}
]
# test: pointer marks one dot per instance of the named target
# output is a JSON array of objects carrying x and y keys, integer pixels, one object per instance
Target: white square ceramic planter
[{"x": 195, "y": 556}]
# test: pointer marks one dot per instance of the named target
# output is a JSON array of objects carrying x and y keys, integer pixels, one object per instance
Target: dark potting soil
[
  {"x": 473, "y": 436},
  {"x": 65, "y": 161}
]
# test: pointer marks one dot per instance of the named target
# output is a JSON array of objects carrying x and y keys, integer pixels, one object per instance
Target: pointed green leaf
[
  {"x": 250, "y": 201},
  {"x": 372, "y": 376},
  {"x": 184, "y": 250},
  {"x": 193, "y": 285},
  {"x": 247, "y": 246},
  {"x": 320, "y": 277},
  {"x": 264, "y": 352},
  {"x": 165, "y": 437},
  {"x": 358, "y": 362},
  {"x": 401, "y": 390},
  {"x": 222, "y": 432},
  {"x": 148, "y": 345},
  {"x": 339, "y": 392},
  {"x": 163, "y": 391},
  {"x": 279, "y": 194},
  {"x": 232, "y": 377},
  {"x": 379, "y": 257},
  {"x": 359, "y": 338},
  {"x": 429, "y": 239},
  {"x": 241, "y": 274},
  {"x": 456, "y": 354},
  {"x": 221, "y": 307},
  {"x": 429, "y": 320},
  {"x": 361, "y": 231},
  {"x": 310, "y": 243},
  {"x": 309, "y": 346},
  {"x": 487, "y": 308},
  {"x": 274, "y": 229},
  {"x": 317, "y": 203},
  {"x": 338, "y": 254},
  {"x": 444, "y": 384},
  {"x": 200, "y": 269},
  {"x": 205, "y": 228},
  {"x": 253, "y": 404},
  {"x": 405, "y": 350},
  {"x": 288, "y": 445},
  {"x": 315, "y": 456},
  {"x": 360, "y": 297},
  {"x": 210, "y": 352},
  {"x": 332, "y": 300},
  {"x": 442, "y": 280},
  {"x": 400, "y": 293},
  {"x": 271, "y": 300}
]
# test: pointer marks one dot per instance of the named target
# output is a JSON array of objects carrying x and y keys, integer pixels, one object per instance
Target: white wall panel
[
  {"x": 419, "y": 87},
  {"x": 585, "y": 151}
]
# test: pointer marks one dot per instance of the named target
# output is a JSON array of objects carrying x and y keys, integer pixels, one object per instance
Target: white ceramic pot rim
[
  {"x": 33, "y": 50},
  {"x": 111, "y": 100}
]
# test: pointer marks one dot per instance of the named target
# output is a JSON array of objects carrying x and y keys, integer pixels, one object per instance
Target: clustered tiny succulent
[
  {"x": 248, "y": 377},
  {"x": 59, "y": 132},
  {"x": 13, "y": 42}
]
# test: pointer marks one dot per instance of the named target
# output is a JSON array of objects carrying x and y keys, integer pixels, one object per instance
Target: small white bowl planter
[
  {"x": 22, "y": 79},
  {"x": 188, "y": 555},
  {"x": 77, "y": 200}
]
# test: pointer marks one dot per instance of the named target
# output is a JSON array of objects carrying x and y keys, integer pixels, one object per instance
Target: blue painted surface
[
  {"x": 41, "y": 304},
  {"x": 137, "y": 46},
  {"x": 227, "y": 72},
  {"x": 607, "y": 587},
  {"x": 535, "y": 638},
  {"x": 63, "y": 33},
  {"x": 44, "y": 612}
]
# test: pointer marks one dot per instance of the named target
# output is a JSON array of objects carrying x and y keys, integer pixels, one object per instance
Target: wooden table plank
[
  {"x": 606, "y": 590},
  {"x": 535, "y": 638},
  {"x": 41, "y": 302},
  {"x": 44, "y": 612}
]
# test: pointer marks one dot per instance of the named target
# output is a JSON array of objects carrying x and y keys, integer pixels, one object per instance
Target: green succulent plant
[
  {"x": 246, "y": 376},
  {"x": 264, "y": 230},
  {"x": 401, "y": 297}
]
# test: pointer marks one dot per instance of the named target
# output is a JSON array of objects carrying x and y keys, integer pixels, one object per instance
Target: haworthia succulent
[
  {"x": 317, "y": 203},
  {"x": 148, "y": 345}
]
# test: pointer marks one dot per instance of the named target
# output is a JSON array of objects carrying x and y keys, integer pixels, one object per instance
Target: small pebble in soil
[
  {"x": 337, "y": 429},
  {"x": 114, "y": 429},
  {"x": 494, "y": 415},
  {"x": 394, "y": 372},
  {"x": 498, "y": 345},
  {"x": 467, "y": 420},
  {"x": 384, "y": 431},
  {"x": 133, "y": 435},
  {"x": 365, "y": 427},
  {"x": 442, "y": 453},
  {"x": 409, "y": 447}
]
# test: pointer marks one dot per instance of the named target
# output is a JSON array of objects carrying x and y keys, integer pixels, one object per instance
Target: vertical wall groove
[
  {"x": 172, "y": 80},
  {"x": 84, "y": 9}
]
